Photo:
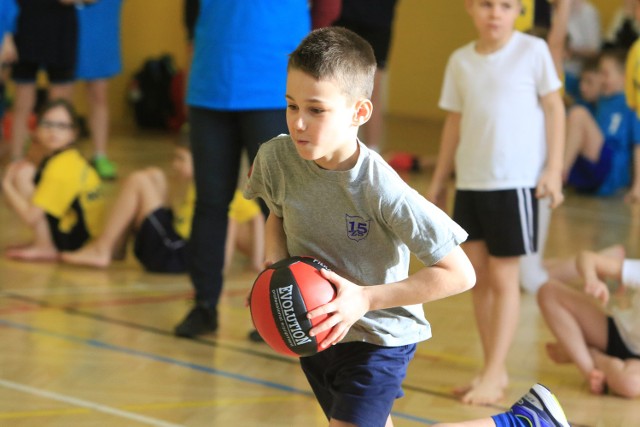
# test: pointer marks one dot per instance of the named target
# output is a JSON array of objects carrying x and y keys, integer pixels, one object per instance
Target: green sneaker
[{"x": 106, "y": 169}]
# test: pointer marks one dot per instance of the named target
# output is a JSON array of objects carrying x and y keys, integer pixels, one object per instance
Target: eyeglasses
[{"x": 46, "y": 124}]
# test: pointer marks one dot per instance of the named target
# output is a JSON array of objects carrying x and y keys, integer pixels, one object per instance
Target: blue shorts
[
  {"x": 357, "y": 382},
  {"x": 587, "y": 176},
  {"x": 158, "y": 247},
  {"x": 506, "y": 220}
]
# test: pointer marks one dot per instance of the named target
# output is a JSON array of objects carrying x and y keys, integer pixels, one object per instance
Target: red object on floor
[
  {"x": 403, "y": 162},
  {"x": 7, "y": 124}
]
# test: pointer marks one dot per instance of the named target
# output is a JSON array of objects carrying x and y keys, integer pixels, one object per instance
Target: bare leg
[
  {"x": 230, "y": 244},
  {"x": 584, "y": 137},
  {"x": 97, "y": 91},
  {"x": 61, "y": 91},
  {"x": 621, "y": 376},
  {"x": 250, "y": 241},
  {"x": 564, "y": 270},
  {"x": 500, "y": 301},
  {"x": 479, "y": 257},
  {"x": 373, "y": 130},
  {"x": 25, "y": 99},
  {"x": 143, "y": 192},
  {"x": 577, "y": 322},
  {"x": 42, "y": 247}
]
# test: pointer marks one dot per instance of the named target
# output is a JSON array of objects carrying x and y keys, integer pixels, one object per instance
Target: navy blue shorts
[
  {"x": 158, "y": 247},
  {"x": 357, "y": 382},
  {"x": 615, "y": 346},
  {"x": 587, "y": 176},
  {"x": 506, "y": 220}
]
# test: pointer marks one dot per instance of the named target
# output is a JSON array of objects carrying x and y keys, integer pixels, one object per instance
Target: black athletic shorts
[
  {"x": 378, "y": 37},
  {"x": 26, "y": 72},
  {"x": 158, "y": 247},
  {"x": 615, "y": 346},
  {"x": 506, "y": 220}
]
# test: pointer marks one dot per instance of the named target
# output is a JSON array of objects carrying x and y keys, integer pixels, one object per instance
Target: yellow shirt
[
  {"x": 183, "y": 213},
  {"x": 632, "y": 85},
  {"x": 241, "y": 209},
  {"x": 69, "y": 189}
]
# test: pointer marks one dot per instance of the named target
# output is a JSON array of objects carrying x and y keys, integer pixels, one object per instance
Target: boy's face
[
  {"x": 612, "y": 76},
  {"x": 182, "y": 163},
  {"x": 323, "y": 122},
  {"x": 55, "y": 129},
  {"x": 494, "y": 19},
  {"x": 590, "y": 85}
]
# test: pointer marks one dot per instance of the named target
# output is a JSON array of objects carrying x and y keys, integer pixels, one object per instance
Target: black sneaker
[
  {"x": 254, "y": 336},
  {"x": 200, "y": 320}
]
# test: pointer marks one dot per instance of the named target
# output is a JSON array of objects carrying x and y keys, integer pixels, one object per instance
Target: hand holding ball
[{"x": 280, "y": 299}]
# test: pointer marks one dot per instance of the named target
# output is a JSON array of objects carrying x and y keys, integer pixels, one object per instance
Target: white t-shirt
[
  {"x": 502, "y": 133},
  {"x": 583, "y": 31}
]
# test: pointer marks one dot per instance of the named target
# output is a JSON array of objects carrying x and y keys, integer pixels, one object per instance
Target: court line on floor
[
  {"x": 188, "y": 365},
  {"x": 85, "y": 404},
  {"x": 213, "y": 343}
]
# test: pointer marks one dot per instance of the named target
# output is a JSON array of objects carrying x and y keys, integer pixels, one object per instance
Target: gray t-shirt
[{"x": 363, "y": 223}]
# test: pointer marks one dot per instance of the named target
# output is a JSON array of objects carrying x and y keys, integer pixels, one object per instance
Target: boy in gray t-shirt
[{"x": 333, "y": 199}]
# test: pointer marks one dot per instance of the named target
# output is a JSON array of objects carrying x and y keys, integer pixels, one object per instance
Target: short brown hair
[{"x": 335, "y": 53}]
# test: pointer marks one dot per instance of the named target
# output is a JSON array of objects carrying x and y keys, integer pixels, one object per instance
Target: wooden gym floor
[{"x": 84, "y": 347}]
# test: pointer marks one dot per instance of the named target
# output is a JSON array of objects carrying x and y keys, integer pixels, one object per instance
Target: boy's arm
[
  {"x": 557, "y": 37},
  {"x": 633, "y": 196},
  {"x": 8, "y": 52},
  {"x": 451, "y": 275},
  {"x": 594, "y": 269},
  {"x": 550, "y": 183},
  {"x": 437, "y": 192},
  {"x": 275, "y": 241}
]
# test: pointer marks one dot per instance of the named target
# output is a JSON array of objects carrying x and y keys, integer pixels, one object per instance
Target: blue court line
[{"x": 201, "y": 368}]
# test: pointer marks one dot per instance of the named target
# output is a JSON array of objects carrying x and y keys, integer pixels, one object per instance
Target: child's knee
[
  {"x": 546, "y": 294},
  {"x": 630, "y": 387}
]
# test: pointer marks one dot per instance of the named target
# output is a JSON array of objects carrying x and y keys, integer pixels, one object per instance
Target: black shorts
[
  {"x": 158, "y": 247},
  {"x": 70, "y": 240},
  {"x": 26, "y": 72},
  {"x": 615, "y": 346},
  {"x": 506, "y": 220},
  {"x": 378, "y": 37}
]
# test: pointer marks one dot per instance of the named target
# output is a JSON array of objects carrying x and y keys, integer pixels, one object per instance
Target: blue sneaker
[{"x": 540, "y": 408}]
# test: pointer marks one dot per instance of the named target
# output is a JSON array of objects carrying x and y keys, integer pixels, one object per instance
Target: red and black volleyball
[{"x": 281, "y": 297}]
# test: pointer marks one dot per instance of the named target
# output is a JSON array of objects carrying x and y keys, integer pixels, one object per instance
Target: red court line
[{"x": 116, "y": 302}]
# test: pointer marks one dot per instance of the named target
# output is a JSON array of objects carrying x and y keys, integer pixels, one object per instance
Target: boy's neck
[{"x": 486, "y": 47}]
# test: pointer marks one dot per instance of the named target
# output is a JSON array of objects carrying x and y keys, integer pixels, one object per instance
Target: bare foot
[
  {"x": 33, "y": 253},
  {"x": 485, "y": 392},
  {"x": 90, "y": 255},
  {"x": 557, "y": 353},
  {"x": 597, "y": 382},
  {"x": 476, "y": 383}
]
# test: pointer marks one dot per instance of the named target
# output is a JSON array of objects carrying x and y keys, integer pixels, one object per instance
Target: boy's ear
[{"x": 362, "y": 112}]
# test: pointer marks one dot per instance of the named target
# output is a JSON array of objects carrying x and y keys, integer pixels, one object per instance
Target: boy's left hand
[
  {"x": 550, "y": 185},
  {"x": 349, "y": 305}
]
